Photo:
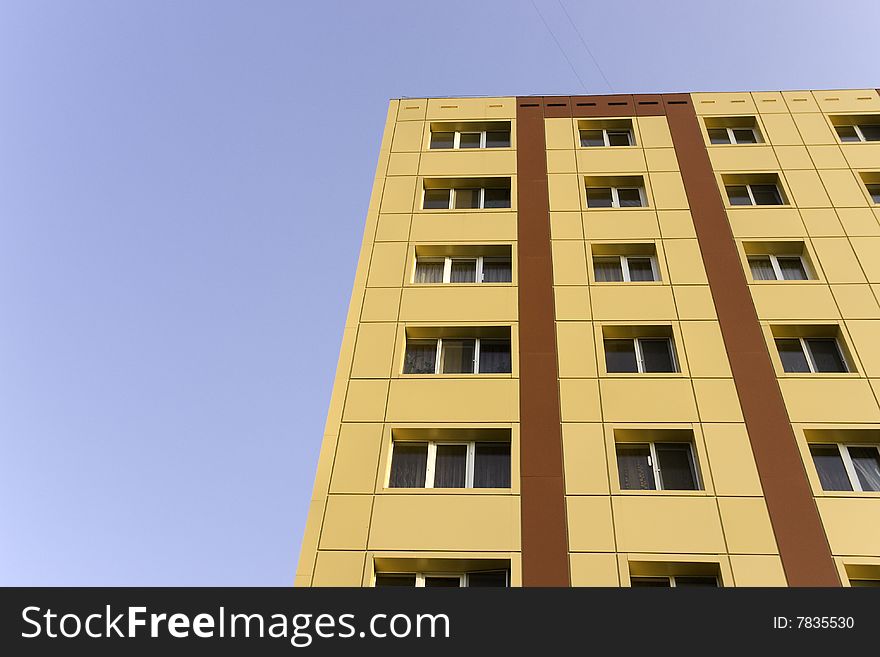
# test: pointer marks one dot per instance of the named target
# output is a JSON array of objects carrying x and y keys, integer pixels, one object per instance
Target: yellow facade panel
[
  {"x": 590, "y": 527},
  {"x": 575, "y": 349},
  {"x": 458, "y": 304},
  {"x": 445, "y": 522},
  {"x": 800, "y": 101},
  {"x": 856, "y": 301},
  {"x": 654, "y": 132},
  {"x": 780, "y": 130},
  {"x": 559, "y": 133},
  {"x": 858, "y": 223},
  {"x": 747, "y": 528},
  {"x": 788, "y": 300},
  {"x": 806, "y": 189},
  {"x": 648, "y": 400},
  {"x": 668, "y": 190},
  {"x": 704, "y": 346},
  {"x": 829, "y": 400},
  {"x": 572, "y": 302},
  {"x": 381, "y": 304},
  {"x": 827, "y": 157},
  {"x": 764, "y": 222},
  {"x": 621, "y": 160},
  {"x": 729, "y": 103},
  {"x": 852, "y": 525},
  {"x": 757, "y": 570},
  {"x": 566, "y": 190},
  {"x": 844, "y": 188},
  {"x": 594, "y": 569},
  {"x": 667, "y": 524},
  {"x": 628, "y": 301},
  {"x": 717, "y": 400},
  {"x": 365, "y": 400},
  {"x": 684, "y": 262},
  {"x": 569, "y": 263},
  {"x": 387, "y": 265},
  {"x": 864, "y": 335},
  {"x": 731, "y": 460},
  {"x": 838, "y": 261},
  {"x": 586, "y": 470},
  {"x": 408, "y": 137},
  {"x": 459, "y": 227},
  {"x": 661, "y": 159},
  {"x": 743, "y": 158},
  {"x": 621, "y": 224},
  {"x": 357, "y": 457},
  {"x": 694, "y": 302},
  {"x": 468, "y": 162},
  {"x": 847, "y": 100},
  {"x": 470, "y": 109},
  {"x": 566, "y": 226},
  {"x": 822, "y": 222},
  {"x": 561, "y": 161},
  {"x": 374, "y": 351},
  {"x": 814, "y": 129},
  {"x": 399, "y": 194},
  {"x": 338, "y": 568},
  {"x": 676, "y": 224},
  {"x": 453, "y": 400},
  {"x": 346, "y": 522},
  {"x": 393, "y": 228},
  {"x": 579, "y": 400},
  {"x": 861, "y": 156}
]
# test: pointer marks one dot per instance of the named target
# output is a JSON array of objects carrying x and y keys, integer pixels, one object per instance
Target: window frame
[
  {"x": 808, "y": 355},
  {"x": 624, "y": 268},
  {"x": 438, "y": 359},
  {"x": 672, "y": 578},
  {"x": 843, "y": 449},
  {"x": 731, "y": 136},
  {"x": 777, "y": 270},
  {"x": 640, "y": 361},
  {"x": 431, "y": 464},
  {"x": 858, "y": 130},
  {"x": 868, "y": 186},
  {"x": 456, "y": 140},
  {"x": 751, "y": 194},
  {"x": 453, "y": 192},
  {"x": 615, "y": 197},
  {"x": 447, "y": 269},
  {"x": 655, "y": 466},
  {"x": 463, "y": 578},
  {"x": 605, "y": 138}
]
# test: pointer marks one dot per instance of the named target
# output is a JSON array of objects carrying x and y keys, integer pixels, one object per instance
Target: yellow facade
[{"x": 357, "y": 525}]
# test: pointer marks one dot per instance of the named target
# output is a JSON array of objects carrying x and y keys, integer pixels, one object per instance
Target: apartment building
[{"x": 627, "y": 340}]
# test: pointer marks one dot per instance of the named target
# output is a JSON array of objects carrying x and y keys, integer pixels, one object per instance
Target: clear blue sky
[{"x": 183, "y": 187}]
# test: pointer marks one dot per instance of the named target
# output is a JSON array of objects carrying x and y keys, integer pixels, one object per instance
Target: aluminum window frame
[
  {"x": 858, "y": 130},
  {"x": 624, "y": 268},
  {"x": 654, "y": 462},
  {"x": 640, "y": 359},
  {"x": 808, "y": 354},
  {"x": 843, "y": 449},
  {"x": 453, "y": 192},
  {"x": 777, "y": 270},
  {"x": 438, "y": 362},
  {"x": 463, "y": 578},
  {"x": 630, "y": 137},
  {"x": 447, "y": 269},
  {"x": 615, "y": 197},
  {"x": 431, "y": 463},
  {"x": 456, "y": 140},
  {"x": 731, "y": 136},
  {"x": 672, "y": 578},
  {"x": 751, "y": 194}
]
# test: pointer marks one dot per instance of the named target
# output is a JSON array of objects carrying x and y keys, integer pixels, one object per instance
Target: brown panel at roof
[
  {"x": 800, "y": 536},
  {"x": 649, "y": 105},
  {"x": 557, "y": 106},
  {"x": 542, "y": 497}
]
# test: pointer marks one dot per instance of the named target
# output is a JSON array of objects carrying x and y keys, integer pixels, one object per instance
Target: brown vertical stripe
[
  {"x": 544, "y": 534},
  {"x": 803, "y": 546}
]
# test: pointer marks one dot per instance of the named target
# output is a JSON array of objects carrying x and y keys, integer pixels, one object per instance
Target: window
[
  {"x": 778, "y": 267},
  {"x": 604, "y": 137},
  {"x": 657, "y": 466},
  {"x": 629, "y": 269},
  {"x": 810, "y": 355},
  {"x": 855, "y": 129},
  {"x": 615, "y": 197},
  {"x": 452, "y": 355},
  {"x": 853, "y": 467},
  {"x": 732, "y": 130},
  {"x": 453, "y": 464},
  {"x": 672, "y": 581},
  {"x": 874, "y": 191},
  {"x": 473, "y": 194},
  {"x": 642, "y": 354},
  {"x": 493, "y": 134},
  {"x": 472, "y": 579},
  {"x": 452, "y": 269},
  {"x": 754, "y": 194}
]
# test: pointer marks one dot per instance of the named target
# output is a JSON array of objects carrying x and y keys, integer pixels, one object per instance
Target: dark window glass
[
  {"x": 791, "y": 355},
  {"x": 634, "y": 467},
  {"x": 463, "y": 271},
  {"x": 640, "y": 269},
  {"x": 469, "y": 140},
  {"x": 408, "y": 465},
  {"x": 792, "y": 268},
  {"x": 442, "y": 139},
  {"x": 432, "y": 581},
  {"x": 866, "y": 462},
  {"x": 657, "y": 354},
  {"x": 494, "y": 356},
  {"x": 762, "y": 268},
  {"x": 436, "y": 199},
  {"x": 676, "y": 466},
  {"x": 450, "y": 466},
  {"x": 395, "y": 580},
  {"x": 493, "y": 578},
  {"x": 421, "y": 357},
  {"x": 496, "y": 270},
  {"x": 865, "y": 582},
  {"x": 467, "y": 199},
  {"x": 608, "y": 269},
  {"x": 620, "y": 355},
  {"x": 718, "y": 136},
  {"x": 870, "y": 132},
  {"x": 458, "y": 356},
  {"x": 826, "y": 355},
  {"x": 599, "y": 197},
  {"x": 498, "y": 139},
  {"x": 491, "y": 465},
  {"x": 692, "y": 580},
  {"x": 619, "y": 138},
  {"x": 847, "y": 133},
  {"x": 766, "y": 195},
  {"x": 592, "y": 138},
  {"x": 655, "y": 582},
  {"x": 629, "y": 197},
  {"x": 874, "y": 191},
  {"x": 497, "y": 197},
  {"x": 829, "y": 466},
  {"x": 429, "y": 271},
  {"x": 738, "y": 195},
  {"x": 744, "y": 136}
]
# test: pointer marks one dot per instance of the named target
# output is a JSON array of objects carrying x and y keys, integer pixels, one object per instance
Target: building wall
[{"x": 608, "y": 532}]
